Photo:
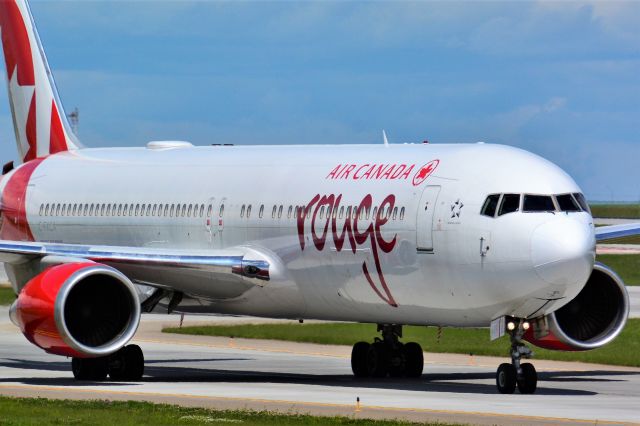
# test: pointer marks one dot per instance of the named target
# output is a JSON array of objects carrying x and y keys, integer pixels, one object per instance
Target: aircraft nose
[{"x": 563, "y": 251}]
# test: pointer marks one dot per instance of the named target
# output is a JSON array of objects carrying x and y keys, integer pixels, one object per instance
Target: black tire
[
  {"x": 397, "y": 361},
  {"x": 89, "y": 368},
  {"x": 506, "y": 378},
  {"x": 127, "y": 364},
  {"x": 378, "y": 360},
  {"x": 359, "y": 359},
  {"x": 414, "y": 360},
  {"x": 529, "y": 380}
]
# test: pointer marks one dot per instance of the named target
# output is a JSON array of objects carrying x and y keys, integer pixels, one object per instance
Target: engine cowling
[
  {"x": 591, "y": 320},
  {"x": 82, "y": 310}
]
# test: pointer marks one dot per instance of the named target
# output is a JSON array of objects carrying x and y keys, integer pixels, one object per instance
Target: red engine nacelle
[
  {"x": 81, "y": 310},
  {"x": 592, "y": 319}
]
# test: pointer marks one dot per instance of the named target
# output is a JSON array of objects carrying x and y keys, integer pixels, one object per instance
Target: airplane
[{"x": 463, "y": 235}]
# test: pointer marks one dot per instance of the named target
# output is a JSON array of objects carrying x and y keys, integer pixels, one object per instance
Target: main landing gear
[
  {"x": 523, "y": 376},
  {"x": 126, "y": 364},
  {"x": 387, "y": 356}
]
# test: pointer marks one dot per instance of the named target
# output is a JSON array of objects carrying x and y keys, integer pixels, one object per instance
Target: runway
[{"x": 238, "y": 373}]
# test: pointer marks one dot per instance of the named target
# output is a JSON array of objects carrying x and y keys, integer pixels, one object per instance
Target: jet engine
[
  {"x": 591, "y": 320},
  {"x": 82, "y": 310}
]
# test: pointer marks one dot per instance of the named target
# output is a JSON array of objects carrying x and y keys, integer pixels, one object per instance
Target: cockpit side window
[
  {"x": 538, "y": 203},
  {"x": 582, "y": 201},
  {"x": 567, "y": 203},
  {"x": 490, "y": 205},
  {"x": 510, "y": 203}
]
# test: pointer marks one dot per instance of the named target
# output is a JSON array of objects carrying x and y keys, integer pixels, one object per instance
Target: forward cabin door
[{"x": 424, "y": 226}]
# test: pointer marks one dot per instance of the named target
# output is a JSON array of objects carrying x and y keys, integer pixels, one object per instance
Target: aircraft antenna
[{"x": 384, "y": 138}]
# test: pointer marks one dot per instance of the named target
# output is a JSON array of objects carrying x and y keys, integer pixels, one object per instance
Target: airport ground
[{"x": 237, "y": 374}]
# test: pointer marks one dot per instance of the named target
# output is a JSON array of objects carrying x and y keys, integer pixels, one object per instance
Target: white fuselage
[{"x": 433, "y": 260}]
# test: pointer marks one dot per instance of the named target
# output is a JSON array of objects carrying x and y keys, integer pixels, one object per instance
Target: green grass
[
  {"x": 39, "y": 411},
  {"x": 7, "y": 296},
  {"x": 625, "y": 350},
  {"x": 621, "y": 211},
  {"x": 625, "y": 265}
]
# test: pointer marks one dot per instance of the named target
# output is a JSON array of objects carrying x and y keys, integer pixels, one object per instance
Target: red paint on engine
[
  {"x": 35, "y": 308},
  {"x": 550, "y": 341}
]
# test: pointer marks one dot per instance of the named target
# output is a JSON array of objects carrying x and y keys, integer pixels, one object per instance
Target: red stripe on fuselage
[{"x": 14, "y": 208}]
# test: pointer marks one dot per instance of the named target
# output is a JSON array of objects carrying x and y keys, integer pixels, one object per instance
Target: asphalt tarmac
[{"x": 290, "y": 377}]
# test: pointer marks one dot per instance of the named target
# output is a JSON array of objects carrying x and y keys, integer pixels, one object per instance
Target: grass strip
[
  {"x": 7, "y": 296},
  {"x": 40, "y": 411},
  {"x": 616, "y": 211},
  {"x": 625, "y": 350},
  {"x": 625, "y": 265}
]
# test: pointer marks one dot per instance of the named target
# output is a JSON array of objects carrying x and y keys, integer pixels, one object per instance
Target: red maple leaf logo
[{"x": 424, "y": 172}]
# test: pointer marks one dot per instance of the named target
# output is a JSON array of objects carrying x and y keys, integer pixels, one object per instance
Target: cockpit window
[
  {"x": 538, "y": 203},
  {"x": 582, "y": 201},
  {"x": 510, "y": 203},
  {"x": 567, "y": 203},
  {"x": 490, "y": 205}
]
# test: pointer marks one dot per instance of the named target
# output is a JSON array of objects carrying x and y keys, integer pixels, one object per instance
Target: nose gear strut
[{"x": 522, "y": 375}]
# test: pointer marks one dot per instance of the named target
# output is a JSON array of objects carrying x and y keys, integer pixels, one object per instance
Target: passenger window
[
  {"x": 41, "y": 209},
  {"x": 582, "y": 202},
  {"x": 221, "y": 213},
  {"x": 375, "y": 213},
  {"x": 490, "y": 205},
  {"x": 148, "y": 209},
  {"x": 166, "y": 210},
  {"x": 184, "y": 209},
  {"x": 64, "y": 209},
  {"x": 75, "y": 206},
  {"x": 295, "y": 212},
  {"x": 58, "y": 210},
  {"x": 567, "y": 203},
  {"x": 242, "y": 211},
  {"x": 273, "y": 212},
  {"x": 289, "y": 212},
  {"x": 280, "y": 212},
  {"x": 249, "y": 211},
  {"x": 321, "y": 212},
  {"x": 190, "y": 210},
  {"x": 261, "y": 211},
  {"x": 348, "y": 214},
  {"x": 201, "y": 210},
  {"x": 155, "y": 209},
  {"x": 46, "y": 212},
  {"x": 538, "y": 203},
  {"x": 172, "y": 210},
  {"x": 402, "y": 213},
  {"x": 395, "y": 213},
  {"x": 137, "y": 209},
  {"x": 510, "y": 203},
  {"x": 91, "y": 209}
]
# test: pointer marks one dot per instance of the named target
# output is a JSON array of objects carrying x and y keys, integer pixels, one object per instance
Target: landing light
[
  {"x": 511, "y": 325},
  {"x": 526, "y": 325}
]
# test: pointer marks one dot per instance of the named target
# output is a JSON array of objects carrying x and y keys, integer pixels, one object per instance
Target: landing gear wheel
[
  {"x": 414, "y": 360},
  {"x": 127, "y": 364},
  {"x": 359, "y": 359},
  {"x": 396, "y": 360},
  {"x": 529, "y": 380},
  {"x": 506, "y": 378},
  {"x": 377, "y": 360},
  {"x": 90, "y": 368}
]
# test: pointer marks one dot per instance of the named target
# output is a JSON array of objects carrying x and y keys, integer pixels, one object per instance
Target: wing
[
  {"x": 214, "y": 274},
  {"x": 613, "y": 232}
]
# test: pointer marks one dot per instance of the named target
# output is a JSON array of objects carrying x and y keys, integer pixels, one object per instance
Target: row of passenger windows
[
  {"x": 502, "y": 204},
  {"x": 168, "y": 210},
  {"x": 348, "y": 212},
  {"x": 198, "y": 210}
]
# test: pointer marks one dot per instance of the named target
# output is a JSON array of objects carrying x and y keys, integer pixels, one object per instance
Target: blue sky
[{"x": 559, "y": 79}]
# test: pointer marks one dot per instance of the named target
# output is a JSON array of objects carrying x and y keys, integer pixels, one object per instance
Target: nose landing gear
[
  {"x": 387, "y": 356},
  {"x": 517, "y": 374}
]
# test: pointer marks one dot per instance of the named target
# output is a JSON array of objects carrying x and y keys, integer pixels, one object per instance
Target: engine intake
[
  {"x": 78, "y": 309},
  {"x": 591, "y": 320}
]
